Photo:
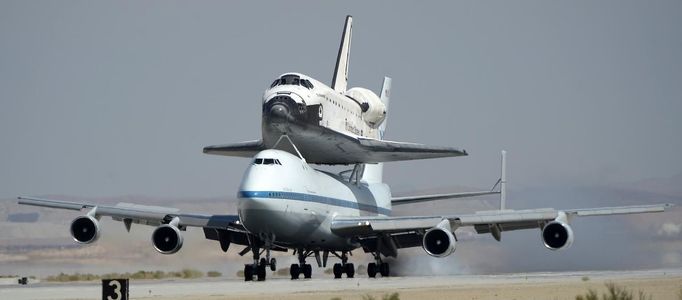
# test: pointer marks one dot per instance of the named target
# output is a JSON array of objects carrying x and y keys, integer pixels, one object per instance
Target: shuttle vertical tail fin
[{"x": 340, "y": 80}]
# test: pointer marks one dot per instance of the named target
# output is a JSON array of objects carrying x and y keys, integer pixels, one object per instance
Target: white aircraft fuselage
[{"x": 283, "y": 199}]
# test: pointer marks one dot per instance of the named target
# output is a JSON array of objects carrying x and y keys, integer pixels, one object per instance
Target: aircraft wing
[
  {"x": 242, "y": 149},
  {"x": 407, "y": 231},
  {"x": 216, "y": 227}
]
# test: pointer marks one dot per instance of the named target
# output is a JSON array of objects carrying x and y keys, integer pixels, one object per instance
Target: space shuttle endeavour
[{"x": 329, "y": 124}]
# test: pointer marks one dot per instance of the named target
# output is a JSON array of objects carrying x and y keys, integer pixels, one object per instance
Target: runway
[{"x": 661, "y": 284}]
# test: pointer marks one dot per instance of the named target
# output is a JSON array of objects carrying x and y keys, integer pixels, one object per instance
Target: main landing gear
[
  {"x": 301, "y": 268},
  {"x": 344, "y": 266},
  {"x": 378, "y": 267}
]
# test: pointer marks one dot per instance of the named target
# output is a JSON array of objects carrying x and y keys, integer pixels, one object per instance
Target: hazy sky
[{"x": 118, "y": 98}]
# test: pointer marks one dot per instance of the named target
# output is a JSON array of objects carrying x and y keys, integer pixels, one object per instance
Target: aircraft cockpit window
[
  {"x": 277, "y": 162},
  {"x": 268, "y": 161},
  {"x": 258, "y": 161},
  {"x": 274, "y": 83}
]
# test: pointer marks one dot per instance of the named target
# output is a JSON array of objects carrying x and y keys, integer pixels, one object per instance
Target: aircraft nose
[{"x": 279, "y": 112}]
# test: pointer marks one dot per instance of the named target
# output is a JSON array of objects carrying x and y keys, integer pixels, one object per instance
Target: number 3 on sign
[{"x": 115, "y": 289}]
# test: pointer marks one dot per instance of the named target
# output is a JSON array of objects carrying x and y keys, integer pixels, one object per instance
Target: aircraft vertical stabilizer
[
  {"x": 385, "y": 98},
  {"x": 340, "y": 80},
  {"x": 375, "y": 172}
]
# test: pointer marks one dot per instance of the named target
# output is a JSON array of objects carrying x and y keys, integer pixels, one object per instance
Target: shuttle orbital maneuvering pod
[{"x": 286, "y": 204}]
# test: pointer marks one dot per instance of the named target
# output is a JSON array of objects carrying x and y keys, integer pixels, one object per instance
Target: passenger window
[
  {"x": 258, "y": 161},
  {"x": 268, "y": 161}
]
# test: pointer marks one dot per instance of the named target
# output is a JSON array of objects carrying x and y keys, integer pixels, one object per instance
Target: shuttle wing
[
  {"x": 375, "y": 151},
  {"x": 325, "y": 146},
  {"x": 243, "y": 149}
]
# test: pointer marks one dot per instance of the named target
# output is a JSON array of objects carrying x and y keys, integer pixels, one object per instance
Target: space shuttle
[{"x": 333, "y": 125}]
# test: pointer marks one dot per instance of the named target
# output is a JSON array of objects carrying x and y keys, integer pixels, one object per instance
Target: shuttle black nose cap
[{"x": 279, "y": 112}]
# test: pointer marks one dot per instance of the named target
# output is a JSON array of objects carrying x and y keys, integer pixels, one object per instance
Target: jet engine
[
  {"x": 85, "y": 229},
  {"x": 167, "y": 239},
  {"x": 439, "y": 241},
  {"x": 373, "y": 110},
  {"x": 557, "y": 235}
]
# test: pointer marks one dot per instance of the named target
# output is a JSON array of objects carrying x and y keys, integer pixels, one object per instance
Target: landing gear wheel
[
  {"x": 248, "y": 272},
  {"x": 384, "y": 270},
  {"x": 261, "y": 272},
  {"x": 273, "y": 264},
  {"x": 338, "y": 271},
  {"x": 307, "y": 271},
  {"x": 349, "y": 270},
  {"x": 294, "y": 271},
  {"x": 372, "y": 270}
]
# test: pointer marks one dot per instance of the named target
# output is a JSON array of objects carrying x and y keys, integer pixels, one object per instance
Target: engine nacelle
[
  {"x": 439, "y": 241},
  {"x": 85, "y": 229},
  {"x": 557, "y": 235},
  {"x": 167, "y": 239},
  {"x": 373, "y": 110}
]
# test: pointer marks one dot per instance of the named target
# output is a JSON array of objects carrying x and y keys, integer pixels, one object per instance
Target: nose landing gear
[{"x": 260, "y": 264}]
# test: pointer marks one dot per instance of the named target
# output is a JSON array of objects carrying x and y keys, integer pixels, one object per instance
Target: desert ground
[{"x": 659, "y": 284}]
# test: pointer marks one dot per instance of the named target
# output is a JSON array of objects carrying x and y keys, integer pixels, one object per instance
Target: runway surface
[{"x": 662, "y": 284}]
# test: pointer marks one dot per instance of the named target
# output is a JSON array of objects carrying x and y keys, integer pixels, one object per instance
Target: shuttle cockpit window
[
  {"x": 292, "y": 80},
  {"x": 306, "y": 83},
  {"x": 289, "y": 79}
]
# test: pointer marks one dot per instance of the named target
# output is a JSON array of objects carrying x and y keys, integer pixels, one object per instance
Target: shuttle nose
[{"x": 280, "y": 112}]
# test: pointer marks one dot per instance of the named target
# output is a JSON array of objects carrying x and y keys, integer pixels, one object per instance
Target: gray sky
[{"x": 118, "y": 98}]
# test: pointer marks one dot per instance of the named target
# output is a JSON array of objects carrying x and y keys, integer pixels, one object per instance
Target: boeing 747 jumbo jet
[
  {"x": 330, "y": 125},
  {"x": 286, "y": 204}
]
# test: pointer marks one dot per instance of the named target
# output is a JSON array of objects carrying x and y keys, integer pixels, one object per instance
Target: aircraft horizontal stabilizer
[{"x": 425, "y": 198}]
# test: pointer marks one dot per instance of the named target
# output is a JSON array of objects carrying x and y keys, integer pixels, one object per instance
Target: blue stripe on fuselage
[{"x": 315, "y": 199}]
